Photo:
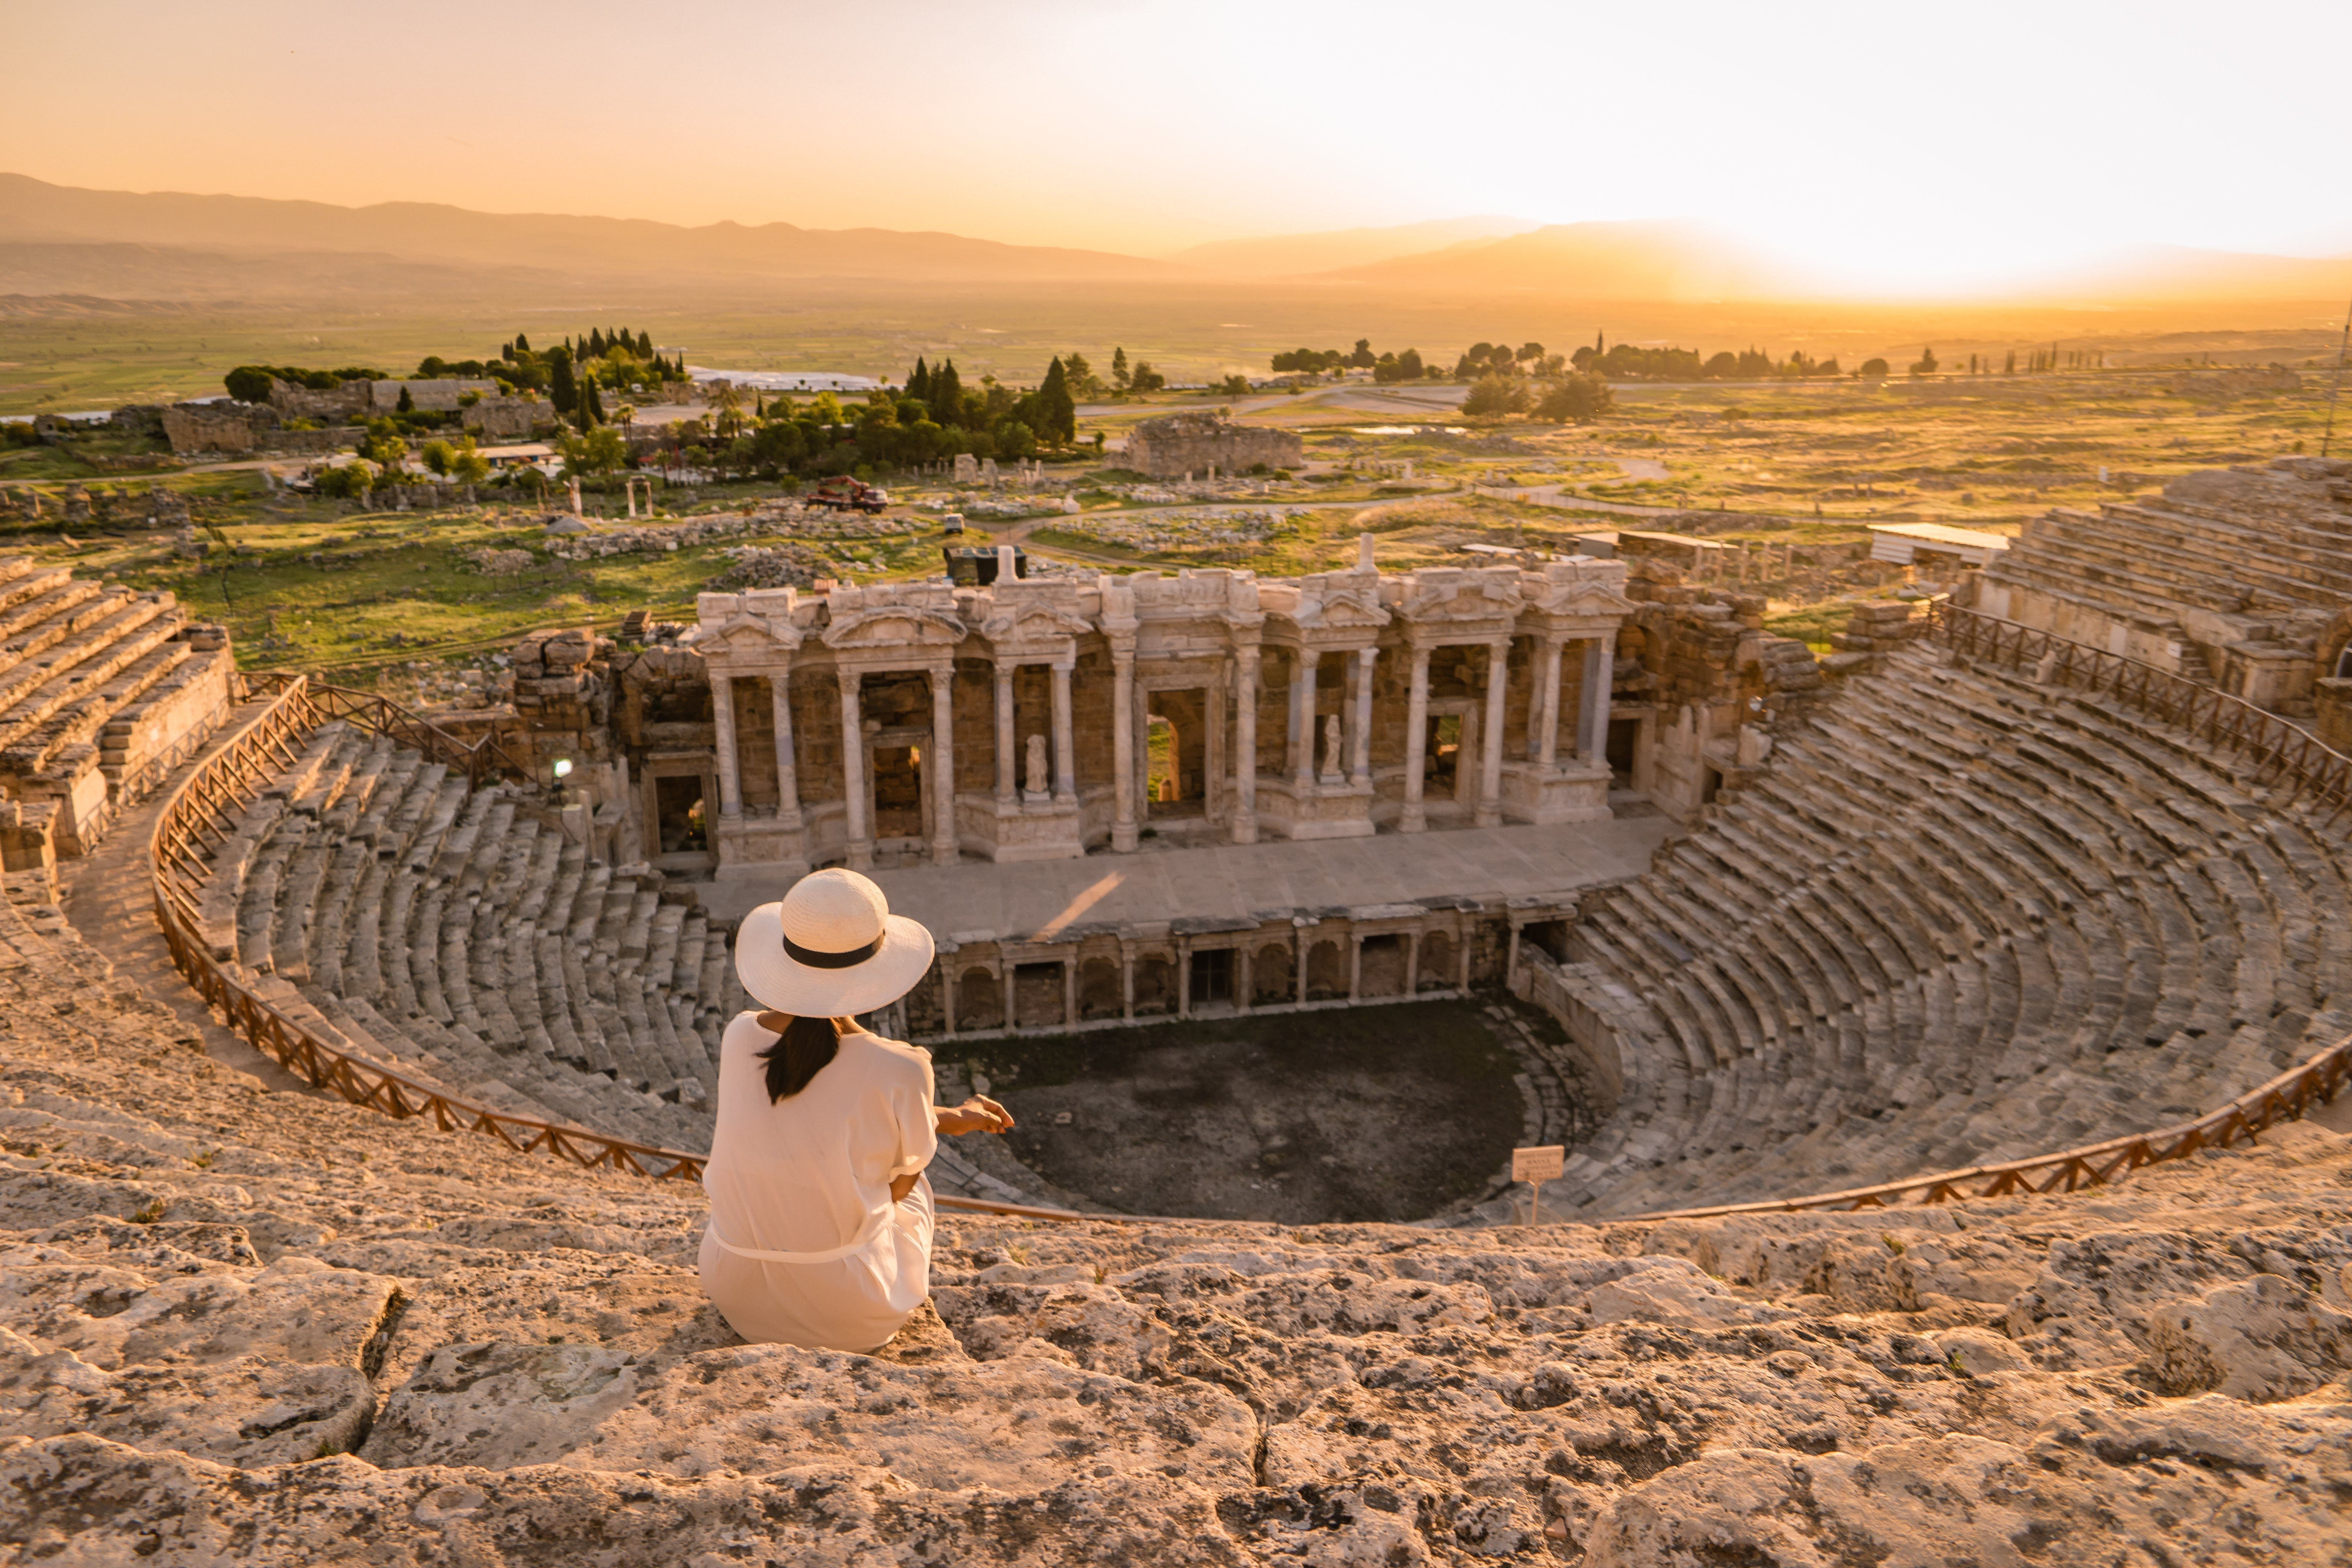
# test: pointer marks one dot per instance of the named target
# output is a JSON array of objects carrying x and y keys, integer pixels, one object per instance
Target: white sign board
[{"x": 1540, "y": 1164}]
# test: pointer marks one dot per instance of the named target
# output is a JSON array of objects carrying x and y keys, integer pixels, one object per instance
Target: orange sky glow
[{"x": 1899, "y": 145}]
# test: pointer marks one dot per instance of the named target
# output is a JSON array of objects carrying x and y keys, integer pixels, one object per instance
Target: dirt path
[{"x": 110, "y": 900}]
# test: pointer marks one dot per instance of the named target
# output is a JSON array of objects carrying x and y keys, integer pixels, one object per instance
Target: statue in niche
[
  {"x": 1035, "y": 784},
  {"x": 1332, "y": 768}
]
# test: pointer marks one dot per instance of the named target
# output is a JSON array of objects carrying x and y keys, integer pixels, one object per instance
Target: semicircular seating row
[
  {"x": 454, "y": 935},
  {"x": 1958, "y": 919}
]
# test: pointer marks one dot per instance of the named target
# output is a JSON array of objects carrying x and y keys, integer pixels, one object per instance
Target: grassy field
[{"x": 311, "y": 585}]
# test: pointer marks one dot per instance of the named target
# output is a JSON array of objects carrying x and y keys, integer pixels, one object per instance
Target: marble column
[
  {"x": 1243, "y": 972},
  {"x": 1066, "y": 742},
  {"x": 1304, "y": 946},
  {"x": 1592, "y": 704},
  {"x": 857, "y": 803},
  {"x": 730, "y": 768},
  {"x": 1550, "y": 652},
  {"x": 940, "y": 767},
  {"x": 1004, "y": 784},
  {"x": 1246, "y": 745},
  {"x": 947, "y": 996},
  {"x": 1411, "y": 819},
  {"x": 1122, "y": 749},
  {"x": 788, "y": 772},
  {"x": 1355, "y": 968},
  {"x": 1490, "y": 740},
  {"x": 1184, "y": 980},
  {"x": 1360, "y": 768},
  {"x": 1069, "y": 991},
  {"x": 1009, "y": 968},
  {"x": 1302, "y": 720},
  {"x": 1126, "y": 982},
  {"x": 1412, "y": 964}
]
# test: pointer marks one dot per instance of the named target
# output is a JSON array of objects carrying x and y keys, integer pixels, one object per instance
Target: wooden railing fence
[{"x": 200, "y": 816}]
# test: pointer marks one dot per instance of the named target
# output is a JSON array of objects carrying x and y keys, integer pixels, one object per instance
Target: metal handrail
[{"x": 2283, "y": 753}]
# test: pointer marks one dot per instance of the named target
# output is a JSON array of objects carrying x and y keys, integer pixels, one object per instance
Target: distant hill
[
  {"x": 572, "y": 248},
  {"x": 1662, "y": 259},
  {"x": 1288, "y": 255}
]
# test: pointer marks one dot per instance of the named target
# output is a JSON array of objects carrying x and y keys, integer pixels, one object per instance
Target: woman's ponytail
[{"x": 800, "y": 1055}]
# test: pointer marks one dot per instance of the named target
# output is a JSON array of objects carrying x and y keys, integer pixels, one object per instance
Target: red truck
[{"x": 849, "y": 495}]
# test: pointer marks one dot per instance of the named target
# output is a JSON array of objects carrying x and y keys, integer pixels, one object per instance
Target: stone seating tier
[
  {"x": 2244, "y": 543},
  {"x": 453, "y": 935},
  {"x": 1958, "y": 919},
  {"x": 97, "y": 682},
  {"x": 244, "y": 1327}
]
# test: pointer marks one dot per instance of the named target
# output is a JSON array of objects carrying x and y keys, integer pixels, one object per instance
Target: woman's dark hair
[{"x": 800, "y": 1055}]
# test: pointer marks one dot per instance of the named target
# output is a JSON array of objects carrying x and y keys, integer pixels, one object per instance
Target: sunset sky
[{"x": 1901, "y": 144}]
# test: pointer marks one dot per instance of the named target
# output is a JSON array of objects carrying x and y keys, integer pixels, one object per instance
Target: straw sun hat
[{"x": 830, "y": 949}]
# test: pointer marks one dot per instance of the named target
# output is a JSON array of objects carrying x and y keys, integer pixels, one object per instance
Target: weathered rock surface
[{"x": 238, "y": 1328}]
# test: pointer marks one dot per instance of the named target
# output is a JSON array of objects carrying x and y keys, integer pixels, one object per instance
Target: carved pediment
[
  {"x": 1581, "y": 598},
  {"x": 1472, "y": 601},
  {"x": 1346, "y": 609},
  {"x": 1034, "y": 624},
  {"x": 748, "y": 636},
  {"x": 894, "y": 626}
]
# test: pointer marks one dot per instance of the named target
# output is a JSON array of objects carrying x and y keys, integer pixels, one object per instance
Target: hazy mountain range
[{"x": 60, "y": 240}]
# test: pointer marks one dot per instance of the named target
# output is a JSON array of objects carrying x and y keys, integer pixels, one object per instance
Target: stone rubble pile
[{"x": 247, "y": 1328}]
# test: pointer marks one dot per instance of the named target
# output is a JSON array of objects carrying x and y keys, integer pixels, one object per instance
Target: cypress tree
[
  {"x": 592, "y": 408},
  {"x": 947, "y": 396},
  {"x": 523, "y": 343},
  {"x": 918, "y": 385},
  {"x": 407, "y": 404},
  {"x": 595, "y": 345},
  {"x": 1058, "y": 411},
  {"x": 563, "y": 390}
]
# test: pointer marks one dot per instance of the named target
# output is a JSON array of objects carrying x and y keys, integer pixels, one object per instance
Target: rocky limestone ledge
[{"x": 243, "y": 1328}]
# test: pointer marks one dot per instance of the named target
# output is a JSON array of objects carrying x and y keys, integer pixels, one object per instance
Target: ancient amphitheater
[{"x": 1954, "y": 1029}]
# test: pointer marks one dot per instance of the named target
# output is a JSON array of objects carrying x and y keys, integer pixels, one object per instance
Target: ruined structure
[
  {"x": 918, "y": 721},
  {"x": 278, "y": 1328},
  {"x": 1179, "y": 446},
  {"x": 2238, "y": 577},
  {"x": 102, "y": 693}
]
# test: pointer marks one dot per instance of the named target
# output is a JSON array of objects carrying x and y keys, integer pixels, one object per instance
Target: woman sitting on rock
[{"x": 821, "y": 1220}]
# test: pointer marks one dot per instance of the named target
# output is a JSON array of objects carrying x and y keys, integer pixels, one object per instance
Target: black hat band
[{"x": 811, "y": 958}]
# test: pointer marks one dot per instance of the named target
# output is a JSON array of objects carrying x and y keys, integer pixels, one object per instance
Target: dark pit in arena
[{"x": 1356, "y": 1115}]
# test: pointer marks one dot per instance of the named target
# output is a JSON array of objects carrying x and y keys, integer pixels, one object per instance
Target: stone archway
[
  {"x": 980, "y": 999},
  {"x": 1436, "y": 963},
  {"x": 1327, "y": 972},
  {"x": 1273, "y": 977}
]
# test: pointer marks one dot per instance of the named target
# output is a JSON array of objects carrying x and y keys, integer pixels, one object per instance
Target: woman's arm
[{"x": 978, "y": 1114}]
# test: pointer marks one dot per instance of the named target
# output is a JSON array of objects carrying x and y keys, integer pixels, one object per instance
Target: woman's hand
[{"x": 978, "y": 1114}]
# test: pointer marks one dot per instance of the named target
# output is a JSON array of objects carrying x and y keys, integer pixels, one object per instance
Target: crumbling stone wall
[
  {"x": 496, "y": 418},
  {"x": 217, "y": 427},
  {"x": 1180, "y": 444}
]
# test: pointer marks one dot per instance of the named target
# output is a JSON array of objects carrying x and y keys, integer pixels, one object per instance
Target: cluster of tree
[
  {"x": 1316, "y": 360},
  {"x": 1137, "y": 377},
  {"x": 1391, "y": 368},
  {"x": 1562, "y": 397},
  {"x": 250, "y": 383},
  {"x": 383, "y": 457},
  {"x": 1484, "y": 359}
]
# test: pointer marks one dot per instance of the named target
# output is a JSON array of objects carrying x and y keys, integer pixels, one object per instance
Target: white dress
[{"x": 803, "y": 1246}]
